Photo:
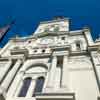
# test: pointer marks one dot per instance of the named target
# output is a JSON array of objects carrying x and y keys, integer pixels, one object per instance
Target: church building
[{"x": 55, "y": 63}]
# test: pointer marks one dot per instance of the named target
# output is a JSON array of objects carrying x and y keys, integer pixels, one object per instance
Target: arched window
[
  {"x": 39, "y": 85},
  {"x": 25, "y": 87}
]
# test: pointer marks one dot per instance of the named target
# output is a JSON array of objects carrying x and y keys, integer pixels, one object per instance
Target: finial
[
  {"x": 58, "y": 17},
  {"x": 16, "y": 36}
]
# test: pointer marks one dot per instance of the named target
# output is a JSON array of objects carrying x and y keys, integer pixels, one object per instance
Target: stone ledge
[
  {"x": 56, "y": 96},
  {"x": 19, "y": 51}
]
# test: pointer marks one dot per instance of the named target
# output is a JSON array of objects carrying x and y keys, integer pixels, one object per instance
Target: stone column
[
  {"x": 5, "y": 85},
  {"x": 19, "y": 87},
  {"x": 65, "y": 73},
  {"x": 96, "y": 64},
  {"x": 16, "y": 85},
  {"x": 5, "y": 70},
  {"x": 52, "y": 72},
  {"x": 31, "y": 88}
]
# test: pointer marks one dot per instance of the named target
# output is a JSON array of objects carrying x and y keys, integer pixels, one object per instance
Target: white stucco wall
[{"x": 82, "y": 79}]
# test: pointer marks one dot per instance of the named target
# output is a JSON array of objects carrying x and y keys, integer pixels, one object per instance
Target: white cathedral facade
[{"x": 55, "y": 63}]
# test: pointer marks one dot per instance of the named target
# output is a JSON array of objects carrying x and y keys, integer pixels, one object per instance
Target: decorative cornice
[
  {"x": 36, "y": 56},
  {"x": 93, "y": 48},
  {"x": 51, "y": 33},
  {"x": 4, "y": 59},
  {"x": 78, "y": 53},
  {"x": 22, "y": 39},
  {"x": 19, "y": 51},
  {"x": 58, "y": 20},
  {"x": 60, "y": 47}
]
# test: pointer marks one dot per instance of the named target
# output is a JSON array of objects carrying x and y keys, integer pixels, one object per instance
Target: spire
[{"x": 5, "y": 29}]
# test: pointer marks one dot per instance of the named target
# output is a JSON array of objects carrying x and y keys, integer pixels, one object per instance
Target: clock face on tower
[{"x": 54, "y": 27}]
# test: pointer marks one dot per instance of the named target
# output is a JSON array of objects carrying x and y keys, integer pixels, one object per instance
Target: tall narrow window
[
  {"x": 39, "y": 85},
  {"x": 63, "y": 38},
  {"x": 78, "y": 45},
  {"x": 59, "y": 61},
  {"x": 25, "y": 87},
  {"x": 59, "y": 70}
]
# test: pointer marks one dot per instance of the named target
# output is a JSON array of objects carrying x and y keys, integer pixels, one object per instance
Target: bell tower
[{"x": 59, "y": 23}]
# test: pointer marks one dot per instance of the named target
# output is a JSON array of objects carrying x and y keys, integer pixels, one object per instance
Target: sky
[{"x": 28, "y": 13}]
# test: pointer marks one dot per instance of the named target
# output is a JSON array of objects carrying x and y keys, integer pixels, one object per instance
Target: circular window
[
  {"x": 35, "y": 50},
  {"x": 43, "y": 51},
  {"x": 29, "y": 41}
]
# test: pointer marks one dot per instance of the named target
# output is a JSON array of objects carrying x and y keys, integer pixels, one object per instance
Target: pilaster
[
  {"x": 5, "y": 85},
  {"x": 52, "y": 72},
  {"x": 65, "y": 73},
  {"x": 14, "y": 89},
  {"x": 4, "y": 72}
]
